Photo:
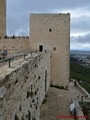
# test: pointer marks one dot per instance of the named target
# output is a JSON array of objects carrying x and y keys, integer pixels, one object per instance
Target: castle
[{"x": 50, "y": 40}]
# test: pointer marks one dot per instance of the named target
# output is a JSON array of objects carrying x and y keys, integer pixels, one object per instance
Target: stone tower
[
  {"x": 52, "y": 32},
  {"x": 2, "y": 18}
]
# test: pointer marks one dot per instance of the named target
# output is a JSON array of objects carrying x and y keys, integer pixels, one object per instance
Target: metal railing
[
  {"x": 11, "y": 58},
  {"x": 20, "y": 55}
]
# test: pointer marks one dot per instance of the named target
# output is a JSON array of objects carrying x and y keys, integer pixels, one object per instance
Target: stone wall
[
  {"x": 83, "y": 90},
  {"x": 52, "y": 32},
  {"x": 23, "y": 87},
  {"x": 79, "y": 112},
  {"x": 16, "y": 45},
  {"x": 2, "y": 18}
]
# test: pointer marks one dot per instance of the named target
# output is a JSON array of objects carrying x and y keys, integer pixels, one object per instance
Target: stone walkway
[{"x": 58, "y": 103}]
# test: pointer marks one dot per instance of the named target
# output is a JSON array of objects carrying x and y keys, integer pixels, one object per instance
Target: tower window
[
  {"x": 49, "y": 30},
  {"x": 40, "y": 48}
]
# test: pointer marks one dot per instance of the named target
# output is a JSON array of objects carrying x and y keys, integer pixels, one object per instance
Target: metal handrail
[{"x": 11, "y": 58}]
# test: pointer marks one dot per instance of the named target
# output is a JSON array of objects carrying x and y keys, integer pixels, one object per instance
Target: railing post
[
  {"x": 9, "y": 59},
  {"x": 9, "y": 63},
  {"x": 24, "y": 56}
]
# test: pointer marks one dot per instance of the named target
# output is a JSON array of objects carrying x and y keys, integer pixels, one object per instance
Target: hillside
[{"x": 80, "y": 73}]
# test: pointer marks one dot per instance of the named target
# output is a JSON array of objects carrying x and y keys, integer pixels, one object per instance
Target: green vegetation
[{"x": 81, "y": 74}]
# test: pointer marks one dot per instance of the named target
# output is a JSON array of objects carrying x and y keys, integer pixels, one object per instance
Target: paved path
[{"x": 58, "y": 102}]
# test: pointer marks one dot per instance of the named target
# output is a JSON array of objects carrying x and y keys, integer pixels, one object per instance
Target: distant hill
[{"x": 79, "y": 52}]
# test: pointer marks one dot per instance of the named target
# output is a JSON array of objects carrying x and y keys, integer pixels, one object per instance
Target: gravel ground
[{"x": 58, "y": 103}]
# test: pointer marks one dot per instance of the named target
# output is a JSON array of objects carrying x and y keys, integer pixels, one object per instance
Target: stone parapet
[{"x": 23, "y": 87}]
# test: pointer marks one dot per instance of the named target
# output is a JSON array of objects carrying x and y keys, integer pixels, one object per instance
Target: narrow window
[
  {"x": 49, "y": 30},
  {"x": 40, "y": 48}
]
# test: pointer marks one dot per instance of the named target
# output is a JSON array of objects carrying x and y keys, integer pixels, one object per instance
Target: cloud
[
  {"x": 18, "y": 12},
  {"x": 80, "y": 24},
  {"x": 82, "y": 39},
  {"x": 80, "y": 42}
]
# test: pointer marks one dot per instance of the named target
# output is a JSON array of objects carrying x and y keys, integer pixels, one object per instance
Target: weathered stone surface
[
  {"x": 52, "y": 33},
  {"x": 15, "y": 46},
  {"x": 2, "y": 18},
  {"x": 26, "y": 84},
  {"x": 2, "y": 91}
]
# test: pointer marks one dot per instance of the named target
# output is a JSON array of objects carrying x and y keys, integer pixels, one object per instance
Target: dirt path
[{"x": 58, "y": 102}]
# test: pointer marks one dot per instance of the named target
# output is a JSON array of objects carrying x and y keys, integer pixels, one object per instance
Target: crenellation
[{"x": 15, "y": 37}]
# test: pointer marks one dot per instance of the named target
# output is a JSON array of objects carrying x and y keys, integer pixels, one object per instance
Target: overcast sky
[{"x": 18, "y": 12}]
